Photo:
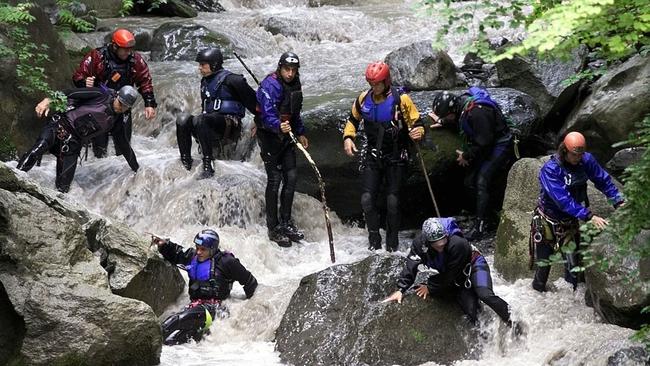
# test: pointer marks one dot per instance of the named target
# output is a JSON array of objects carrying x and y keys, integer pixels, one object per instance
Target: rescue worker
[
  {"x": 389, "y": 120},
  {"x": 488, "y": 145},
  {"x": 211, "y": 274},
  {"x": 224, "y": 98},
  {"x": 113, "y": 66},
  {"x": 457, "y": 268},
  {"x": 280, "y": 100},
  {"x": 563, "y": 202},
  {"x": 90, "y": 112}
]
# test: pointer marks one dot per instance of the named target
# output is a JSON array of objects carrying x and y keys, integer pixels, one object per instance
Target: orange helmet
[
  {"x": 123, "y": 38},
  {"x": 575, "y": 142},
  {"x": 378, "y": 71}
]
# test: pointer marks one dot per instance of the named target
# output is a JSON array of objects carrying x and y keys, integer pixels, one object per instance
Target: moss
[{"x": 7, "y": 148}]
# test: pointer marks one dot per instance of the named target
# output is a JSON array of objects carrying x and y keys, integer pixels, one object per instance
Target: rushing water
[{"x": 334, "y": 44}]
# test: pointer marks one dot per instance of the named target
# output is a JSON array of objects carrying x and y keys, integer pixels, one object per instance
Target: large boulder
[
  {"x": 543, "y": 80},
  {"x": 301, "y": 29},
  {"x": 339, "y": 313},
  {"x": 610, "y": 291},
  {"x": 511, "y": 257},
  {"x": 168, "y": 8},
  {"x": 181, "y": 41},
  {"x": 61, "y": 270},
  {"x": 419, "y": 67},
  {"x": 210, "y": 6},
  {"x": 105, "y": 8},
  {"x": 19, "y": 125},
  {"x": 624, "y": 158},
  {"x": 619, "y": 100}
]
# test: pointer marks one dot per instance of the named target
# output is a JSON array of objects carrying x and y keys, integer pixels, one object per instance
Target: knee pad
[
  {"x": 392, "y": 203},
  {"x": 366, "y": 201}
]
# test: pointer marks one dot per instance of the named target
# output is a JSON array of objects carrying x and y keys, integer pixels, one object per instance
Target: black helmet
[
  {"x": 445, "y": 103},
  {"x": 127, "y": 96},
  {"x": 289, "y": 59},
  {"x": 209, "y": 239},
  {"x": 210, "y": 56}
]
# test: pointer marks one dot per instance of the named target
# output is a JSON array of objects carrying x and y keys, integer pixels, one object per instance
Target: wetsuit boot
[
  {"x": 290, "y": 230},
  {"x": 477, "y": 231},
  {"x": 374, "y": 240},
  {"x": 208, "y": 171},
  {"x": 277, "y": 235}
]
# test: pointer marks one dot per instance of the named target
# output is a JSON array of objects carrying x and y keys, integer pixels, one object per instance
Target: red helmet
[
  {"x": 575, "y": 142},
  {"x": 123, "y": 38},
  {"x": 378, "y": 71}
]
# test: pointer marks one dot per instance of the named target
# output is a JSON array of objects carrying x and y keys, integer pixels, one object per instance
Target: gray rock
[
  {"x": 624, "y": 158},
  {"x": 179, "y": 41},
  {"x": 210, "y": 6},
  {"x": 511, "y": 253},
  {"x": 319, "y": 3},
  {"x": 418, "y": 67},
  {"x": 338, "y": 312},
  {"x": 301, "y": 29},
  {"x": 169, "y": 8},
  {"x": 542, "y": 80},
  {"x": 632, "y": 356},
  {"x": 610, "y": 291},
  {"x": 620, "y": 99},
  {"x": 105, "y": 8}
]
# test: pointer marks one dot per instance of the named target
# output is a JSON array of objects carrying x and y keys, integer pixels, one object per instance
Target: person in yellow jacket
[{"x": 389, "y": 120}]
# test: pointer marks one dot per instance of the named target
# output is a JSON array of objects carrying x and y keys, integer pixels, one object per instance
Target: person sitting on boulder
[
  {"x": 225, "y": 97},
  {"x": 211, "y": 273},
  {"x": 90, "y": 112},
  {"x": 457, "y": 268},
  {"x": 562, "y": 202}
]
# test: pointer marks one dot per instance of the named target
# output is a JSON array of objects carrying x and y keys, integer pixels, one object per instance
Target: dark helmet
[
  {"x": 210, "y": 56},
  {"x": 123, "y": 38},
  {"x": 127, "y": 96},
  {"x": 209, "y": 239},
  {"x": 289, "y": 59},
  {"x": 445, "y": 103},
  {"x": 433, "y": 230}
]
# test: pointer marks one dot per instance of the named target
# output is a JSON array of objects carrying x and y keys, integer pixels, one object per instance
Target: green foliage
[
  {"x": 7, "y": 148},
  {"x": 614, "y": 29},
  {"x": 127, "y": 6},
  {"x": 58, "y": 101},
  {"x": 588, "y": 75}
]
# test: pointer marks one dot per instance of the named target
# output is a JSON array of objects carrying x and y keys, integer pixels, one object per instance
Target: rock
[
  {"x": 511, "y": 254},
  {"x": 319, "y": 3},
  {"x": 543, "y": 80},
  {"x": 105, "y": 8},
  {"x": 178, "y": 41},
  {"x": 60, "y": 300},
  {"x": 338, "y": 311},
  {"x": 418, "y": 67},
  {"x": 610, "y": 291},
  {"x": 210, "y": 6},
  {"x": 632, "y": 356},
  {"x": 624, "y": 158},
  {"x": 169, "y": 8},
  {"x": 620, "y": 99},
  {"x": 301, "y": 29}
]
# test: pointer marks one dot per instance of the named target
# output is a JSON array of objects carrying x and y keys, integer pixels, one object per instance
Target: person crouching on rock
[
  {"x": 211, "y": 273},
  {"x": 461, "y": 270},
  {"x": 90, "y": 112}
]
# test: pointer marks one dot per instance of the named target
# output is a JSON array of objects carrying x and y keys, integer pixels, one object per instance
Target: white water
[{"x": 163, "y": 198}]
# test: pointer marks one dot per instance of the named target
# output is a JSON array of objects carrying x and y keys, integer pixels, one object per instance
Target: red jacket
[{"x": 97, "y": 62}]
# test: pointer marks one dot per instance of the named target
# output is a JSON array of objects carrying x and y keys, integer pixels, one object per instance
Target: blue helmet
[{"x": 209, "y": 239}]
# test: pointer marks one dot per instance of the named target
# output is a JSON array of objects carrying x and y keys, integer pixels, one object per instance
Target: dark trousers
[
  {"x": 279, "y": 156},
  {"x": 215, "y": 126},
  {"x": 481, "y": 289},
  {"x": 191, "y": 323},
  {"x": 391, "y": 176},
  {"x": 545, "y": 248},
  {"x": 100, "y": 143},
  {"x": 480, "y": 176}
]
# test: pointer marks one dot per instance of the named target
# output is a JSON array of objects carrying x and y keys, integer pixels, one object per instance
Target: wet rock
[
  {"x": 105, "y": 8},
  {"x": 632, "y": 356},
  {"x": 511, "y": 257},
  {"x": 543, "y": 80},
  {"x": 418, "y": 67},
  {"x": 624, "y": 158},
  {"x": 300, "y": 29},
  {"x": 610, "y": 291},
  {"x": 620, "y": 99},
  {"x": 169, "y": 8},
  {"x": 210, "y": 6},
  {"x": 61, "y": 269},
  {"x": 319, "y": 3},
  {"x": 178, "y": 41},
  {"x": 338, "y": 312}
]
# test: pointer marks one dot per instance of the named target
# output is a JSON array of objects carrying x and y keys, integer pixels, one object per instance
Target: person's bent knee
[{"x": 366, "y": 201}]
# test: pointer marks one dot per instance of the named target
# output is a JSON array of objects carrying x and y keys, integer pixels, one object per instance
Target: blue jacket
[
  {"x": 270, "y": 96},
  {"x": 564, "y": 187}
]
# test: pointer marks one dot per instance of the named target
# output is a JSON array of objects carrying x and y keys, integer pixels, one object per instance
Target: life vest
[
  {"x": 216, "y": 98},
  {"x": 206, "y": 278},
  {"x": 117, "y": 73},
  {"x": 291, "y": 102},
  {"x": 383, "y": 123},
  {"x": 91, "y": 119}
]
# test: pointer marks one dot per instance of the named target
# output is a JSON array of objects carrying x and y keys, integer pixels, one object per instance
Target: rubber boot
[
  {"x": 187, "y": 161},
  {"x": 374, "y": 240},
  {"x": 277, "y": 235},
  {"x": 290, "y": 230},
  {"x": 30, "y": 158},
  {"x": 477, "y": 231}
]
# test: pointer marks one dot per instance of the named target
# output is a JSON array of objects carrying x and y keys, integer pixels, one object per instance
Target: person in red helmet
[
  {"x": 390, "y": 120},
  {"x": 113, "y": 66},
  {"x": 563, "y": 202}
]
